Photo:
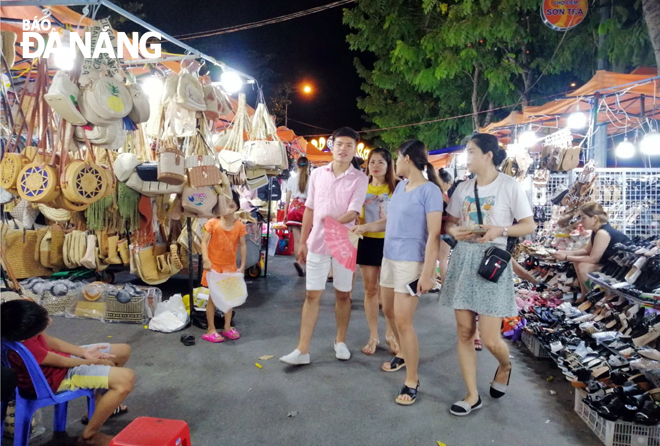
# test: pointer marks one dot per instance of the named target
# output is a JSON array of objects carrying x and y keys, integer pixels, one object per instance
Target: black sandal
[
  {"x": 118, "y": 411},
  {"x": 188, "y": 339},
  {"x": 412, "y": 393},
  {"x": 396, "y": 363}
]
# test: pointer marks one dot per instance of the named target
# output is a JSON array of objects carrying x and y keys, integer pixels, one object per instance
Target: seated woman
[{"x": 599, "y": 249}]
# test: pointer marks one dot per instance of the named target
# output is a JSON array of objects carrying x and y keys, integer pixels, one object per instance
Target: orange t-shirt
[{"x": 223, "y": 246}]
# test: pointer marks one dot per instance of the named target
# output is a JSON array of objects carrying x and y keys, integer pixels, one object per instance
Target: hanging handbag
[
  {"x": 190, "y": 93},
  {"x": 264, "y": 148},
  {"x": 105, "y": 100},
  {"x": 63, "y": 97},
  {"x": 13, "y": 161},
  {"x": 148, "y": 171},
  {"x": 141, "y": 110},
  {"x": 171, "y": 166},
  {"x": 495, "y": 260},
  {"x": 199, "y": 201},
  {"x": 85, "y": 182}
]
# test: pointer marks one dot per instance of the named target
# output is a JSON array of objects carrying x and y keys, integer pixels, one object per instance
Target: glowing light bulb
[
  {"x": 321, "y": 142},
  {"x": 650, "y": 144},
  {"x": 153, "y": 87},
  {"x": 315, "y": 143},
  {"x": 527, "y": 139},
  {"x": 577, "y": 120},
  {"x": 462, "y": 159},
  {"x": 625, "y": 149},
  {"x": 307, "y": 89},
  {"x": 231, "y": 82}
]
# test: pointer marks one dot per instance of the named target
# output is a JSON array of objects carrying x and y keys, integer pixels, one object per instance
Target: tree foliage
[{"x": 433, "y": 59}]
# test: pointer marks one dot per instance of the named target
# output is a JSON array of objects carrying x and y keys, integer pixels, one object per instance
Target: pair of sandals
[
  {"x": 497, "y": 390},
  {"x": 373, "y": 344}
]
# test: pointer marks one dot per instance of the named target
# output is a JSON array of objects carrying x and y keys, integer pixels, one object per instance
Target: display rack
[
  {"x": 633, "y": 299},
  {"x": 631, "y": 197}
]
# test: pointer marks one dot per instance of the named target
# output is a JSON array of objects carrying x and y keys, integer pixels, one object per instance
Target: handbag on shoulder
[{"x": 495, "y": 260}]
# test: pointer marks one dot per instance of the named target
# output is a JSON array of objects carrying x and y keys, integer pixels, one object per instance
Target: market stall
[
  {"x": 112, "y": 163},
  {"x": 599, "y": 143}
]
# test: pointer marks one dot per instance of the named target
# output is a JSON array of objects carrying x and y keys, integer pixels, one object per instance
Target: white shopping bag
[{"x": 228, "y": 290}]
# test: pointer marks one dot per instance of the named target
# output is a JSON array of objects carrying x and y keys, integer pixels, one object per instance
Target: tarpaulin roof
[{"x": 618, "y": 99}]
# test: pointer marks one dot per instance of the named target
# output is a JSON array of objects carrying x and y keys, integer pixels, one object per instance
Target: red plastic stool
[
  {"x": 287, "y": 236},
  {"x": 147, "y": 431}
]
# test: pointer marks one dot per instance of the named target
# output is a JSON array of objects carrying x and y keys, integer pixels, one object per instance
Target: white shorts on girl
[
  {"x": 318, "y": 268},
  {"x": 399, "y": 273}
]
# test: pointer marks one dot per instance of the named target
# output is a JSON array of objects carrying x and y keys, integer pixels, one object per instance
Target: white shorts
[
  {"x": 318, "y": 267},
  {"x": 398, "y": 273}
]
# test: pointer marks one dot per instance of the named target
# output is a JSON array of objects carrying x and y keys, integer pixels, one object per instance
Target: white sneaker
[
  {"x": 296, "y": 358},
  {"x": 342, "y": 352}
]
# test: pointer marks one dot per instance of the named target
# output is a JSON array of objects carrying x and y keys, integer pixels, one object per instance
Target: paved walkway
[{"x": 227, "y": 400}]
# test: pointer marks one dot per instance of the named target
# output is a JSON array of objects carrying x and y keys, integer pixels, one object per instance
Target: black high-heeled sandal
[{"x": 412, "y": 393}]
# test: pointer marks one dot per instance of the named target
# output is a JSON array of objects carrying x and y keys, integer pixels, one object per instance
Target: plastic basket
[
  {"x": 616, "y": 433},
  {"x": 534, "y": 345}
]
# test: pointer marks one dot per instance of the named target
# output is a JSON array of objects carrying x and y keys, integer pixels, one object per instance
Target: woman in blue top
[{"x": 412, "y": 236}]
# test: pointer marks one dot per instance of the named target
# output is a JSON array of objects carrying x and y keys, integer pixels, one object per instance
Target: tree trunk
[
  {"x": 475, "y": 99},
  {"x": 651, "y": 10}
]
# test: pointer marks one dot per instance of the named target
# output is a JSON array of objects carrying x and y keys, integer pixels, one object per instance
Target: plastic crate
[
  {"x": 534, "y": 345},
  {"x": 616, "y": 433}
]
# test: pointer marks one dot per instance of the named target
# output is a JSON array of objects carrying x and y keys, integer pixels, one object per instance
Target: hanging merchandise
[
  {"x": 85, "y": 182},
  {"x": 141, "y": 110},
  {"x": 63, "y": 97},
  {"x": 171, "y": 165},
  {"x": 264, "y": 149},
  {"x": 217, "y": 103},
  {"x": 201, "y": 163},
  {"x": 13, "y": 161},
  {"x": 231, "y": 155},
  {"x": 200, "y": 201}
]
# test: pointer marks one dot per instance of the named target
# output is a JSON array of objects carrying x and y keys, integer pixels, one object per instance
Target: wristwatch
[{"x": 505, "y": 232}]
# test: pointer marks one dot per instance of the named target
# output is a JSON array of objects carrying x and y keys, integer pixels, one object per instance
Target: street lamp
[{"x": 306, "y": 89}]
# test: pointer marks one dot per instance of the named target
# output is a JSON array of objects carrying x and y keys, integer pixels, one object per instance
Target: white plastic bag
[
  {"x": 228, "y": 290},
  {"x": 170, "y": 315},
  {"x": 272, "y": 243}
]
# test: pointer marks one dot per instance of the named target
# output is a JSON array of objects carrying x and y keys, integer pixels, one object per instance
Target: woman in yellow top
[{"x": 382, "y": 182}]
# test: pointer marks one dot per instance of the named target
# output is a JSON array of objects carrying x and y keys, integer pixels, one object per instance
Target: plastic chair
[{"x": 25, "y": 407}]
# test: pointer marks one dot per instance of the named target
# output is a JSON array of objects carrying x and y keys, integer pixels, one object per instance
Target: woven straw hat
[
  {"x": 56, "y": 215},
  {"x": 93, "y": 291}
]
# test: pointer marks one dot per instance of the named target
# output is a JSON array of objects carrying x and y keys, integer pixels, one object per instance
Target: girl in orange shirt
[{"x": 219, "y": 247}]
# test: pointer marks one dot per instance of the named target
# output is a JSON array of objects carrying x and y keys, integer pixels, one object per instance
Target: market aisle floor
[{"x": 227, "y": 400}]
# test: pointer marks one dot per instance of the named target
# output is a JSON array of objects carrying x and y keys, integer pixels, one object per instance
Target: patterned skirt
[
  {"x": 465, "y": 289},
  {"x": 296, "y": 211}
]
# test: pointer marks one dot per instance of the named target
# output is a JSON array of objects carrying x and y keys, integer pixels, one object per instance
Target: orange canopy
[
  {"x": 617, "y": 98},
  {"x": 439, "y": 161}
]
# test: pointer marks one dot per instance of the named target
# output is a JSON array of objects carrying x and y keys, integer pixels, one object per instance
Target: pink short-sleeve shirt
[{"x": 330, "y": 196}]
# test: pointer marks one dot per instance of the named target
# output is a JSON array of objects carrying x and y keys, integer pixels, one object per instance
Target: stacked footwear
[{"x": 605, "y": 346}]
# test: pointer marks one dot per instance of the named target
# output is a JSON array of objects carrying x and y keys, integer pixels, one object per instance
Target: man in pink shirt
[{"x": 337, "y": 190}]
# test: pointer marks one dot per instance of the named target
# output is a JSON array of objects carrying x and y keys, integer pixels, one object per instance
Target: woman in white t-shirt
[
  {"x": 500, "y": 200},
  {"x": 296, "y": 188}
]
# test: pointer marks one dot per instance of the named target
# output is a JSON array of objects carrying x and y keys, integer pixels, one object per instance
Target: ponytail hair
[
  {"x": 419, "y": 156},
  {"x": 303, "y": 173}
]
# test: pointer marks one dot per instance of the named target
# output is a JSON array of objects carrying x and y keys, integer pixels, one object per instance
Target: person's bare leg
[
  {"x": 342, "y": 313},
  {"x": 387, "y": 294},
  {"x": 210, "y": 317},
  {"x": 583, "y": 269},
  {"x": 371, "y": 291},
  {"x": 443, "y": 259},
  {"x": 310, "y": 315},
  {"x": 120, "y": 382},
  {"x": 491, "y": 336},
  {"x": 296, "y": 241},
  {"x": 466, "y": 326},
  {"x": 228, "y": 316},
  {"x": 404, "y": 315},
  {"x": 122, "y": 353}
]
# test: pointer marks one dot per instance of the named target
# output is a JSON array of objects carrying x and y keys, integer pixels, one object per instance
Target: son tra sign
[
  {"x": 45, "y": 47},
  {"x": 562, "y": 15}
]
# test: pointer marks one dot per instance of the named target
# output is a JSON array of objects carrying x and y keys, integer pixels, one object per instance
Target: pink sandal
[
  {"x": 232, "y": 334},
  {"x": 215, "y": 337}
]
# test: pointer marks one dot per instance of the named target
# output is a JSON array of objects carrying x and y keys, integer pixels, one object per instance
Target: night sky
[{"x": 312, "y": 48}]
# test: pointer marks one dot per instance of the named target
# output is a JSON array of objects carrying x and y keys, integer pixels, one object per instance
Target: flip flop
[
  {"x": 118, "y": 411},
  {"x": 187, "y": 340}
]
